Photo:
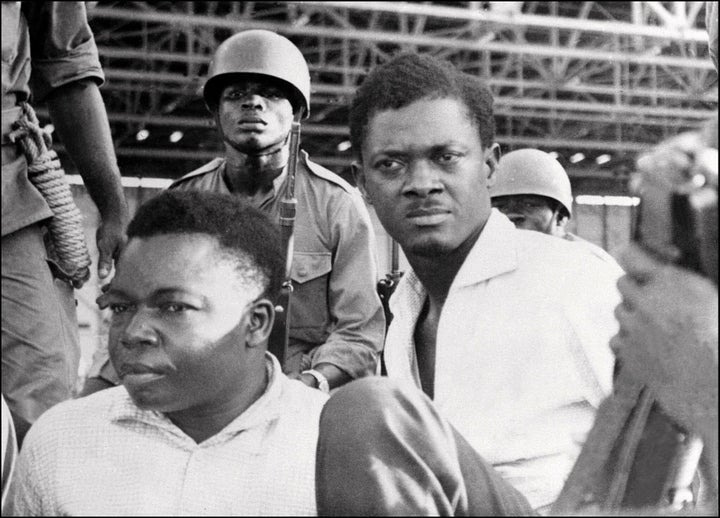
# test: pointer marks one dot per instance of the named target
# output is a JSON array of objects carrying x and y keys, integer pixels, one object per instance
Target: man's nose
[
  {"x": 139, "y": 331},
  {"x": 253, "y": 101},
  {"x": 423, "y": 179}
]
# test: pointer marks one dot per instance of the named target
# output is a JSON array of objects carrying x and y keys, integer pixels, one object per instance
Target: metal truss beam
[
  {"x": 398, "y": 38},
  {"x": 604, "y": 77},
  {"x": 134, "y": 54},
  {"x": 524, "y": 20}
]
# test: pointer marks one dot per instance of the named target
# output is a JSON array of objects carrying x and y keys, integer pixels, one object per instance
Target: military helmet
[
  {"x": 263, "y": 53},
  {"x": 531, "y": 171}
]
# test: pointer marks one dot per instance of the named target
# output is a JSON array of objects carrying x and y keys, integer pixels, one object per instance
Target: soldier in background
[
  {"x": 533, "y": 190},
  {"x": 258, "y": 81}
]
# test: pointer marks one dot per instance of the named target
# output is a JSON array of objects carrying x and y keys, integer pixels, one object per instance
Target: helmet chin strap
[
  {"x": 266, "y": 152},
  {"x": 263, "y": 153}
]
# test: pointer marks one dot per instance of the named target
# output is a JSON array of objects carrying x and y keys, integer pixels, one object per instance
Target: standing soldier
[
  {"x": 49, "y": 49},
  {"x": 533, "y": 190},
  {"x": 257, "y": 84}
]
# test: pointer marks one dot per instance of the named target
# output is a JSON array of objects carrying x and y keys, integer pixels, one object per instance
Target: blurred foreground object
[{"x": 636, "y": 456}]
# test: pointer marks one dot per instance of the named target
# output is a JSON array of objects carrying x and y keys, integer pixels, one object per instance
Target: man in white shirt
[
  {"x": 505, "y": 329},
  {"x": 205, "y": 422}
]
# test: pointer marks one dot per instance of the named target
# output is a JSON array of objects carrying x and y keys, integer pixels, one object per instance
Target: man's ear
[
  {"x": 492, "y": 157},
  {"x": 561, "y": 218},
  {"x": 359, "y": 176},
  {"x": 261, "y": 317}
]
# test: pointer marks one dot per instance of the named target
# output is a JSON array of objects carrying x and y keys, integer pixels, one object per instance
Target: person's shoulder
[
  {"x": 198, "y": 173},
  {"x": 568, "y": 257},
  {"x": 67, "y": 420},
  {"x": 594, "y": 249},
  {"x": 542, "y": 245},
  {"x": 326, "y": 176},
  {"x": 297, "y": 395}
]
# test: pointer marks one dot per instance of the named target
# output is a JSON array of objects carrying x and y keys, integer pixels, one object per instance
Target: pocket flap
[{"x": 307, "y": 266}]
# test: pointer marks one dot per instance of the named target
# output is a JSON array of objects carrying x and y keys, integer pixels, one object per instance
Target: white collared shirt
[
  {"x": 522, "y": 355},
  {"x": 102, "y": 455}
]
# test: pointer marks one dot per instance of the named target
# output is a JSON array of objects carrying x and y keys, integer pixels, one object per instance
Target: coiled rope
[{"x": 69, "y": 248}]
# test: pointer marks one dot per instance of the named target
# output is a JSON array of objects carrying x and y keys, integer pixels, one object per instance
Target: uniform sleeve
[
  {"x": 358, "y": 322},
  {"x": 62, "y": 46}
]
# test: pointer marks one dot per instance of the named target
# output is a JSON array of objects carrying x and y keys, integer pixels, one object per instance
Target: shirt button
[{"x": 302, "y": 272}]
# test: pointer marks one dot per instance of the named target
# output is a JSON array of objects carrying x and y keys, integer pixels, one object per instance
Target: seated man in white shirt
[
  {"x": 507, "y": 330},
  {"x": 205, "y": 422}
]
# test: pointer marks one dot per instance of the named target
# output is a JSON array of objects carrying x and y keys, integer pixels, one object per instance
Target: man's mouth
[
  {"x": 428, "y": 216},
  {"x": 138, "y": 373},
  {"x": 252, "y": 121}
]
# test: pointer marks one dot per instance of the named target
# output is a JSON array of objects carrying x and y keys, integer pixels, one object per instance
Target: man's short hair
[
  {"x": 245, "y": 234},
  {"x": 408, "y": 78}
]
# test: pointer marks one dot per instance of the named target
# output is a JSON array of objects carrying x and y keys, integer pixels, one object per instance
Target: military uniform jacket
[{"x": 335, "y": 312}]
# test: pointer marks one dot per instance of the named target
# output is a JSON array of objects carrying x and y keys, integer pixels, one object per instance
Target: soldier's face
[
  {"x": 254, "y": 115},
  {"x": 529, "y": 212}
]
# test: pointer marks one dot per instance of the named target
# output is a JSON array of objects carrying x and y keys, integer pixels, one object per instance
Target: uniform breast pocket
[{"x": 309, "y": 313}]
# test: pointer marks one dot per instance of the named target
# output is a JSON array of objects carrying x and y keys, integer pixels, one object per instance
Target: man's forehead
[
  {"x": 252, "y": 81},
  {"x": 178, "y": 251},
  {"x": 429, "y": 120},
  {"x": 521, "y": 198},
  {"x": 191, "y": 262},
  {"x": 441, "y": 101}
]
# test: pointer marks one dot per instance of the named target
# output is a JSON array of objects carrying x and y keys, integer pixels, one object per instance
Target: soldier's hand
[
  {"x": 111, "y": 239},
  {"x": 102, "y": 301}
]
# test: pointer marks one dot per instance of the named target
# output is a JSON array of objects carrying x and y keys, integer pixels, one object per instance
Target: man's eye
[
  {"x": 531, "y": 205},
  {"x": 448, "y": 158},
  {"x": 235, "y": 94},
  {"x": 388, "y": 165},
  {"x": 174, "y": 307},
  {"x": 118, "y": 308},
  {"x": 272, "y": 94}
]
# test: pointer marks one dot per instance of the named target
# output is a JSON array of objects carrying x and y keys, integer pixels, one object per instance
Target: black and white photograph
[{"x": 359, "y": 258}]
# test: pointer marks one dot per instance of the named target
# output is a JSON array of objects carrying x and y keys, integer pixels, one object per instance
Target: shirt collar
[
  {"x": 267, "y": 407},
  {"x": 278, "y": 183},
  {"x": 494, "y": 253}
]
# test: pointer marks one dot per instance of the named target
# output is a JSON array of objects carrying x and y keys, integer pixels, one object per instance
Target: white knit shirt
[
  {"x": 102, "y": 455},
  {"x": 522, "y": 355}
]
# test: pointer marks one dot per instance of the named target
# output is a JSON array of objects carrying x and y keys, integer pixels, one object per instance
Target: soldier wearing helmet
[
  {"x": 258, "y": 83},
  {"x": 533, "y": 190}
]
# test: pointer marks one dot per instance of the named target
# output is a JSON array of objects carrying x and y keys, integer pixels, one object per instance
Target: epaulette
[
  {"x": 326, "y": 174},
  {"x": 207, "y": 168}
]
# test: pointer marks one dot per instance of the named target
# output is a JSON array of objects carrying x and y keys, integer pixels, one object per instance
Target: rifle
[
  {"x": 635, "y": 456},
  {"x": 386, "y": 286},
  {"x": 278, "y": 341}
]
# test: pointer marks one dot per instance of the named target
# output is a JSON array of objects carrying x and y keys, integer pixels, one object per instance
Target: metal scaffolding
[{"x": 598, "y": 77}]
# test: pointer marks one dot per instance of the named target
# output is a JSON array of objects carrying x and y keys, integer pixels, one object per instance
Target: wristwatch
[{"x": 322, "y": 381}]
